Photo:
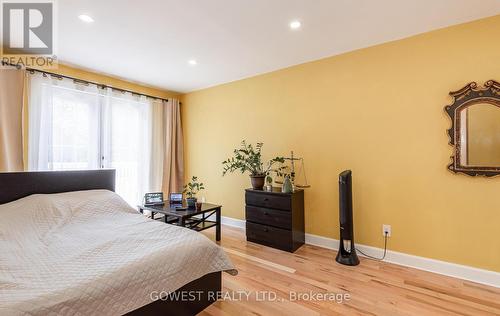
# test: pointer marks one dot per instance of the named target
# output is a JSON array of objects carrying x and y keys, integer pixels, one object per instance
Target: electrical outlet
[{"x": 386, "y": 229}]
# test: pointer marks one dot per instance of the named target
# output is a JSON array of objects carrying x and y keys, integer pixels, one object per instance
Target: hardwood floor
[{"x": 375, "y": 288}]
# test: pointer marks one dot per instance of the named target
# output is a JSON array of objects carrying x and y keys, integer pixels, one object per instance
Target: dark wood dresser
[{"x": 275, "y": 219}]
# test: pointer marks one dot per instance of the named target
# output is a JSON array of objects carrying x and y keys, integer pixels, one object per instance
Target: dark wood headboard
[{"x": 16, "y": 185}]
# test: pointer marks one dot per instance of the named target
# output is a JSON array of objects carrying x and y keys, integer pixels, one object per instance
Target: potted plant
[
  {"x": 248, "y": 158},
  {"x": 191, "y": 189}
]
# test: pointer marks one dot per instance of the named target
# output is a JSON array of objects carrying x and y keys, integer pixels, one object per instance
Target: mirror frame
[{"x": 470, "y": 95}]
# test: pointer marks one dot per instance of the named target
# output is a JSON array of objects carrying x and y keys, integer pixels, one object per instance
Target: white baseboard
[
  {"x": 482, "y": 276},
  {"x": 233, "y": 222}
]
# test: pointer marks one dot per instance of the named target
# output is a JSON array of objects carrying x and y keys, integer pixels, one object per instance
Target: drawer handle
[
  {"x": 265, "y": 213},
  {"x": 266, "y": 230},
  {"x": 266, "y": 199}
]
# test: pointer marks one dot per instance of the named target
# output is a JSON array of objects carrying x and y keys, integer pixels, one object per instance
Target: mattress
[{"x": 89, "y": 252}]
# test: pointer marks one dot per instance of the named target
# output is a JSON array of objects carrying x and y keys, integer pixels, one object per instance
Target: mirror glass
[{"x": 480, "y": 135}]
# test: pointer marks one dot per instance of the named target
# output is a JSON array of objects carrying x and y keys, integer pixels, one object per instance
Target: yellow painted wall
[
  {"x": 377, "y": 111},
  {"x": 78, "y": 73}
]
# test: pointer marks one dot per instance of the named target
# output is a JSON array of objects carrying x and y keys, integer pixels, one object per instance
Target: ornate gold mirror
[{"x": 475, "y": 130}]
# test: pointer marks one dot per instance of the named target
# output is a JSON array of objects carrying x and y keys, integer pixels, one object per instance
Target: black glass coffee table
[{"x": 191, "y": 217}]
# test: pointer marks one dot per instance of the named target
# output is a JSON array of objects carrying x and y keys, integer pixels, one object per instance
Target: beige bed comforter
[{"x": 89, "y": 252}]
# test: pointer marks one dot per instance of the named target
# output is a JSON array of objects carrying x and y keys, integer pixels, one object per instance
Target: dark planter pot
[
  {"x": 191, "y": 202},
  {"x": 257, "y": 182}
]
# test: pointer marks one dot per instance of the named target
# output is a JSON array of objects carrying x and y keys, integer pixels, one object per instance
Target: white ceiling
[{"x": 151, "y": 41}]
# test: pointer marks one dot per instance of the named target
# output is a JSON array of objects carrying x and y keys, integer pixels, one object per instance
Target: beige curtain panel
[
  {"x": 173, "y": 162},
  {"x": 11, "y": 119},
  {"x": 167, "y": 155}
]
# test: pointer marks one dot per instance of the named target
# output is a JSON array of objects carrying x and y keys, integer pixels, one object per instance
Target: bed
[{"x": 70, "y": 245}]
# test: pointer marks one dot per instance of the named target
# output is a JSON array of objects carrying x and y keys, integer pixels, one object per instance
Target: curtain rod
[{"x": 103, "y": 86}]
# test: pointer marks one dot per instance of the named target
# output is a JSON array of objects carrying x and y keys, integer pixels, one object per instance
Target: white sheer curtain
[
  {"x": 76, "y": 126},
  {"x": 63, "y": 125},
  {"x": 127, "y": 140}
]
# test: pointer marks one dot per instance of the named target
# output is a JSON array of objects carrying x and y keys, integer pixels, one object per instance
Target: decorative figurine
[{"x": 287, "y": 185}]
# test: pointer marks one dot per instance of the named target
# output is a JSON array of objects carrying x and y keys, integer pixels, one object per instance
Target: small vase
[
  {"x": 191, "y": 202},
  {"x": 287, "y": 185}
]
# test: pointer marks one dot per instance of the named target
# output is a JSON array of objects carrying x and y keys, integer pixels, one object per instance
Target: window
[
  {"x": 127, "y": 138},
  {"x": 74, "y": 126}
]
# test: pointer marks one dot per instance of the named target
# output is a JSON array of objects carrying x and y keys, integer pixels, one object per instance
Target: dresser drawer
[
  {"x": 270, "y": 217},
  {"x": 277, "y": 201},
  {"x": 269, "y": 236}
]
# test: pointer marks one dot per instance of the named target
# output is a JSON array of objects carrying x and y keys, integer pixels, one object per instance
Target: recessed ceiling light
[
  {"x": 193, "y": 62},
  {"x": 294, "y": 25},
  {"x": 86, "y": 18}
]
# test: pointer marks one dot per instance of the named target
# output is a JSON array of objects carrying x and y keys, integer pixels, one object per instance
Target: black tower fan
[{"x": 347, "y": 257}]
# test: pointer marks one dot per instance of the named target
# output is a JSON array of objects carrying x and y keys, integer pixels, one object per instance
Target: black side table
[{"x": 185, "y": 218}]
